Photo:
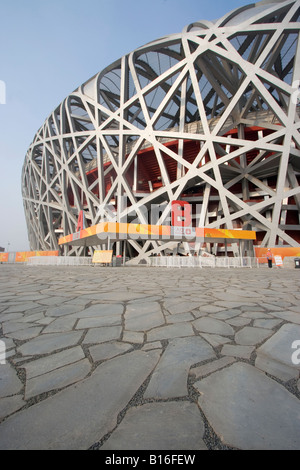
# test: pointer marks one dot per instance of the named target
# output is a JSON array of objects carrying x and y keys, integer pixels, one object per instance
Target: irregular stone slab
[
  {"x": 179, "y": 317},
  {"x": 47, "y": 343},
  {"x": 55, "y": 361},
  {"x": 63, "y": 310},
  {"x": 143, "y": 317},
  {"x": 212, "y": 325},
  {"x": 76, "y": 301},
  {"x": 273, "y": 307},
  {"x": 95, "y": 322},
  {"x": 146, "y": 299},
  {"x": 33, "y": 318},
  {"x": 182, "y": 307},
  {"x": 25, "y": 296},
  {"x": 275, "y": 355},
  {"x": 249, "y": 335},
  {"x": 282, "y": 303},
  {"x": 202, "y": 371},
  {"x": 121, "y": 296},
  {"x": 295, "y": 307},
  {"x": 4, "y": 317},
  {"x": 133, "y": 337},
  {"x": 28, "y": 287},
  {"x": 269, "y": 324},
  {"x": 229, "y": 296},
  {"x": 10, "y": 404},
  {"x": 60, "y": 324},
  {"x": 238, "y": 321},
  {"x": 97, "y": 401},
  {"x": 34, "y": 311},
  {"x": 198, "y": 313},
  {"x": 88, "y": 297},
  {"x": 154, "y": 345},
  {"x": 171, "y": 297},
  {"x": 210, "y": 308},
  {"x": 243, "y": 352},
  {"x": 159, "y": 426},
  {"x": 45, "y": 321},
  {"x": 255, "y": 315},
  {"x": 175, "y": 330},
  {"x": 58, "y": 378},
  {"x": 170, "y": 376},
  {"x": 226, "y": 314},
  {"x": 53, "y": 300},
  {"x": 10, "y": 384},
  {"x": 103, "y": 351},
  {"x": 253, "y": 308},
  {"x": 101, "y": 335},
  {"x": 101, "y": 310},
  {"x": 27, "y": 333},
  {"x": 12, "y": 326},
  {"x": 22, "y": 307},
  {"x": 259, "y": 413},
  {"x": 233, "y": 304},
  {"x": 289, "y": 316},
  {"x": 215, "y": 340}
]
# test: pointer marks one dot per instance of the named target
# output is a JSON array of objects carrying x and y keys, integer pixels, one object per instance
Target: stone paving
[{"x": 140, "y": 358}]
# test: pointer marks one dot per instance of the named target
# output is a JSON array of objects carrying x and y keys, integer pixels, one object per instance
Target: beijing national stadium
[{"x": 203, "y": 124}]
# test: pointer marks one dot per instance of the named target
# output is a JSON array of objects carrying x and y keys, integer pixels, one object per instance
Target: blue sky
[{"x": 49, "y": 48}]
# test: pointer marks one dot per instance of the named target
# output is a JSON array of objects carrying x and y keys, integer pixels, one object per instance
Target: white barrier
[
  {"x": 202, "y": 261},
  {"x": 59, "y": 261}
]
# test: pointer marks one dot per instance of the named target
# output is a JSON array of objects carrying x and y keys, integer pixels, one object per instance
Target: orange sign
[
  {"x": 278, "y": 260},
  {"x": 102, "y": 256},
  {"x": 3, "y": 257}
]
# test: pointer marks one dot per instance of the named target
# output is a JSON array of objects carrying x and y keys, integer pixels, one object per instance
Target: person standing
[{"x": 269, "y": 257}]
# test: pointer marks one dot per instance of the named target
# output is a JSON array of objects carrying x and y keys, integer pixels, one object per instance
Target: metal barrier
[
  {"x": 59, "y": 261},
  {"x": 69, "y": 261},
  {"x": 202, "y": 262}
]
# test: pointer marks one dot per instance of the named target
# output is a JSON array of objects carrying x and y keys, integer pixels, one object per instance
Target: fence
[
  {"x": 164, "y": 261},
  {"x": 59, "y": 261},
  {"x": 69, "y": 261},
  {"x": 201, "y": 262}
]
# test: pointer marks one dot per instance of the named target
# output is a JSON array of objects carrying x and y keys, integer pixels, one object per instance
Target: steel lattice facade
[{"x": 209, "y": 116}]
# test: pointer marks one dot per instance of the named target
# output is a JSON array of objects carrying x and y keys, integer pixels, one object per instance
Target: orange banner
[
  {"x": 46, "y": 253},
  {"x": 22, "y": 256},
  {"x": 283, "y": 251},
  {"x": 225, "y": 233},
  {"x": 3, "y": 257},
  {"x": 129, "y": 229}
]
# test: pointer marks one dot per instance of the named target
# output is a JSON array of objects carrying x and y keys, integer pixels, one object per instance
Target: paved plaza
[{"x": 136, "y": 358}]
